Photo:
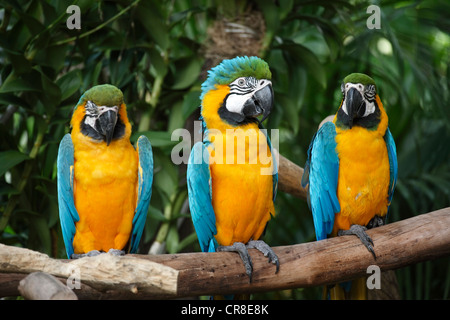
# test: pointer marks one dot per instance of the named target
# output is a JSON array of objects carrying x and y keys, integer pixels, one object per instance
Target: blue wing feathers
[
  {"x": 145, "y": 181},
  {"x": 321, "y": 173},
  {"x": 199, "y": 187},
  {"x": 68, "y": 214},
  {"x": 393, "y": 166}
]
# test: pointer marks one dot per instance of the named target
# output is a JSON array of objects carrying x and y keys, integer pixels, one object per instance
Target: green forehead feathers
[
  {"x": 359, "y": 78},
  {"x": 103, "y": 95}
]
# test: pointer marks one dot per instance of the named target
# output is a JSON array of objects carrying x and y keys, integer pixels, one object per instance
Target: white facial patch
[
  {"x": 370, "y": 108},
  {"x": 347, "y": 87},
  {"x": 241, "y": 90},
  {"x": 235, "y": 102},
  {"x": 93, "y": 112},
  {"x": 90, "y": 120}
]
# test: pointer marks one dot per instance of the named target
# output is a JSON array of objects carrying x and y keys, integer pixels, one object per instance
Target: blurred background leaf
[{"x": 158, "y": 52}]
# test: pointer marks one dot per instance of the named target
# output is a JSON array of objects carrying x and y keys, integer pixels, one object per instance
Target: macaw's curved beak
[
  {"x": 260, "y": 103},
  {"x": 107, "y": 121},
  {"x": 355, "y": 105}
]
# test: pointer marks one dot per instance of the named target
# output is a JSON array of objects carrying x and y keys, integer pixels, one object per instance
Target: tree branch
[
  {"x": 290, "y": 177},
  {"x": 399, "y": 244}
]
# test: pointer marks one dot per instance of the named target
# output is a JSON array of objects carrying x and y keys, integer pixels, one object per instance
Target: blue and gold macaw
[
  {"x": 232, "y": 187},
  {"x": 351, "y": 168},
  {"x": 104, "y": 184}
]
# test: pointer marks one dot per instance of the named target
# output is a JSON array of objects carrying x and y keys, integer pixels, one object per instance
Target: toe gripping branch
[
  {"x": 93, "y": 253},
  {"x": 360, "y": 232},
  {"x": 242, "y": 249}
]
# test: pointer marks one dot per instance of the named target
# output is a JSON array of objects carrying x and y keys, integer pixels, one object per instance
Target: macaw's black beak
[
  {"x": 260, "y": 103},
  {"x": 355, "y": 105},
  {"x": 107, "y": 122}
]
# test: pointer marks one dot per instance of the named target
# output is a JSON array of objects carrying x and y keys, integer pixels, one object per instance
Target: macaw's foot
[
  {"x": 360, "y": 232},
  {"x": 240, "y": 248},
  {"x": 92, "y": 253},
  {"x": 266, "y": 250},
  {"x": 116, "y": 252},
  {"x": 376, "y": 221}
]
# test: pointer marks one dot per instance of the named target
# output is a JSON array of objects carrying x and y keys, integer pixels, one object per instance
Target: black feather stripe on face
[
  {"x": 370, "y": 92},
  {"x": 369, "y": 122}
]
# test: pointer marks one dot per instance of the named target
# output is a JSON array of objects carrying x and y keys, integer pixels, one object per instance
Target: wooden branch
[
  {"x": 399, "y": 244},
  {"x": 103, "y": 272},
  {"x": 290, "y": 177}
]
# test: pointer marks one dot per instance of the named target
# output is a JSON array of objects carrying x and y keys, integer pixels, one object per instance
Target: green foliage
[{"x": 154, "y": 52}]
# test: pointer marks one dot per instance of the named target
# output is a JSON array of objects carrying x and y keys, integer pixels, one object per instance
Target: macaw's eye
[{"x": 241, "y": 82}]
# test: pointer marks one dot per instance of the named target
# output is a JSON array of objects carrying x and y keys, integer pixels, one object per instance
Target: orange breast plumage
[
  {"x": 105, "y": 179},
  {"x": 242, "y": 184},
  {"x": 363, "y": 176}
]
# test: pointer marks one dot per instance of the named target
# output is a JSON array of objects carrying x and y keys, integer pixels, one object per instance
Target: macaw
[
  {"x": 351, "y": 169},
  {"x": 231, "y": 201},
  {"x": 104, "y": 183}
]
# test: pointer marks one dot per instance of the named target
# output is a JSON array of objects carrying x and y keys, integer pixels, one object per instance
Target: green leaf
[
  {"x": 9, "y": 159},
  {"x": 33, "y": 24},
  {"x": 19, "y": 62},
  {"x": 157, "y": 63},
  {"x": 189, "y": 240},
  {"x": 176, "y": 117},
  {"x": 13, "y": 83},
  {"x": 120, "y": 70},
  {"x": 187, "y": 72},
  {"x": 300, "y": 55},
  {"x": 288, "y": 106},
  {"x": 172, "y": 239},
  {"x": 69, "y": 83},
  {"x": 165, "y": 178},
  {"x": 153, "y": 22},
  {"x": 8, "y": 190},
  {"x": 191, "y": 102},
  {"x": 51, "y": 56},
  {"x": 271, "y": 14},
  {"x": 39, "y": 235},
  {"x": 51, "y": 95},
  {"x": 9, "y": 98},
  {"x": 156, "y": 214}
]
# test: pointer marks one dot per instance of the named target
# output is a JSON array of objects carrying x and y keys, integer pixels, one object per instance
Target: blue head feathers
[{"x": 231, "y": 69}]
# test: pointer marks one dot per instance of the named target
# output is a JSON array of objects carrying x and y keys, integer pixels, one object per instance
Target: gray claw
[
  {"x": 116, "y": 252},
  {"x": 266, "y": 250},
  {"x": 360, "y": 232},
  {"x": 92, "y": 253},
  {"x": 240, "y": 248}
]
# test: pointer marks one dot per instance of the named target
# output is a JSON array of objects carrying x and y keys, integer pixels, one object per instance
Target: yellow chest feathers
[
  {"x": 363, "y": 174},
  {"x": 242, "y": 184},
  {"x": 97, "y": 164}
]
